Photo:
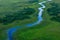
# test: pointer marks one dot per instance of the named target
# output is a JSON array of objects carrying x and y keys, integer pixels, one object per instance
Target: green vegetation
[
  {"x": 54, "y": 11},
  {"x": 19, "y": 15},
  {"x": 46, "y": 30},
  {"x": 17, "y": 10}
]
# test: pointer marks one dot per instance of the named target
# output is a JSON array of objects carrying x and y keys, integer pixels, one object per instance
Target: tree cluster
[
  {"x": 19, "y": 15},
  {"x": 54, "y": 11}
]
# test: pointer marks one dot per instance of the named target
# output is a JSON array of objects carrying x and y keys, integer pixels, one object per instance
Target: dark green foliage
[
  {"x": 19, "y": 15},
  {"x": 54, "y": 11},
  {"x": 28, "y": 11},
  {"x": 7, "y": 19},
  {"x": 32, "y": 1}
]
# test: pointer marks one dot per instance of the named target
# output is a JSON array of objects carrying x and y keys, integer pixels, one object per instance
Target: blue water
[{"x": 12, "y": 30}]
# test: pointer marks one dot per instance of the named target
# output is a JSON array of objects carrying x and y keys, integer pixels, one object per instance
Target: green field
[{"x": 46, "y": 30}]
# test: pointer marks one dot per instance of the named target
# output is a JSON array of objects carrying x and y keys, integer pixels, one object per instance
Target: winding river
[{"x": 41, "y": 9}]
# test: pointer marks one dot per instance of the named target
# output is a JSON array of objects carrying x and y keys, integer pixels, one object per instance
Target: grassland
[{"x": 46, "y": 30}]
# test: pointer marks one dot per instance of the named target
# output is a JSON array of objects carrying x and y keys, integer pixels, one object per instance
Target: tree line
[
  {"x": 54, "y": 11},
  {"x": 19, "y": 15}
]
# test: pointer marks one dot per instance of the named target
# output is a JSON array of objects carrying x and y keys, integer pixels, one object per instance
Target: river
[{"x": 41, "y": 9}]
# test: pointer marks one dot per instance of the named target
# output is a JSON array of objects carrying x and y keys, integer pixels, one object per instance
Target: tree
[
  {"x": 19, "y": 15},
  {"x": 54, "y": 11}
]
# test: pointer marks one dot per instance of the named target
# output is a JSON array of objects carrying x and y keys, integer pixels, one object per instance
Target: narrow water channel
[{"x": 41, "y": 9}]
